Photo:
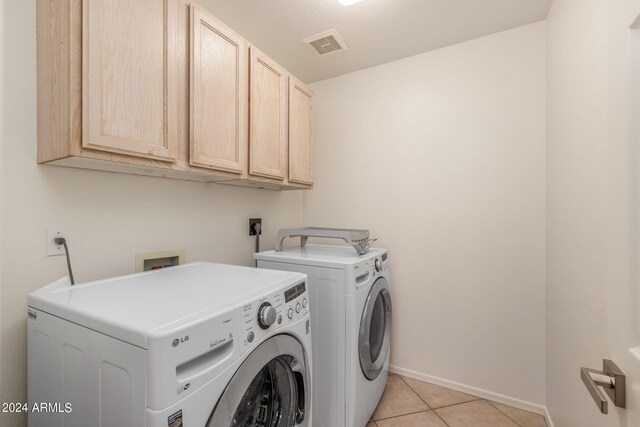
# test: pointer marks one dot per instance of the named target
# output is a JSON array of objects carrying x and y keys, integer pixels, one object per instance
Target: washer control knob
[
  {"x": 250, "y": 336},
  {"x": 378, "y": 265},
  {"x": 304, "y": 303},
  {"x": 298, "y": 308},
  {"x": 279, "y": 319},
  {"x": 290, "y": 313},
  {"x": 266, "y": 315}
]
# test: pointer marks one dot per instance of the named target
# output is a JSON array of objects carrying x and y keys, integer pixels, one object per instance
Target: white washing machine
[
  {"x": 351, "y": 327},
  {"x": 199, "y": 345}
]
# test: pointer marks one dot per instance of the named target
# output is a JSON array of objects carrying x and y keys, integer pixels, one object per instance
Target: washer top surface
[
  {"x": 137, "y": 306},
  {"x": 341, "y": 257}
]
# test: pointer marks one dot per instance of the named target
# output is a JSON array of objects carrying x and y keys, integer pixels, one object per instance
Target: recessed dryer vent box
[{"x": 156, "y": 260}]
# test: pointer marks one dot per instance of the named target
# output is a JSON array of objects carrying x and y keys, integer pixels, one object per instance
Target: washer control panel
[
  {"x": 274, "y": 311},
  {"x": 266, "y": 315},
  {"x": 296, "y": 298}
]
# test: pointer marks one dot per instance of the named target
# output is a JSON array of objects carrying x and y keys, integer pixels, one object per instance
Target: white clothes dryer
[
  {"x": 199, "y": 345},
  {"x": 351, "y": 327}
]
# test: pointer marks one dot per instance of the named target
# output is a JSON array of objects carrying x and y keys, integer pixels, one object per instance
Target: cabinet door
[
  {"x": 219, "y": 80},
  {"x": 300, "y": 133},
  {"x": 268, "y": 117},
  {"x": 129, "y": 77}
]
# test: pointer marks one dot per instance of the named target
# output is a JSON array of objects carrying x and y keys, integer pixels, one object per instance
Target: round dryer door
[
  {"x": 270, "y": 389},
  {"x": 375, "y": 329}
]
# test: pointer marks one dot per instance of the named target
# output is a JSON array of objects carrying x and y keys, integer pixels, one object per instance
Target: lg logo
[{"x": 177, "y": 341}]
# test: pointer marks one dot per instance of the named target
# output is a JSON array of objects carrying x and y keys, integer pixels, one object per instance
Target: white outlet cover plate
[{"x": 53, "y": 232}]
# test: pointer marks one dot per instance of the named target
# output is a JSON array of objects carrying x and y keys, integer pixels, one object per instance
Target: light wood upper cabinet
[
  {"x": 268, "y": 117},
  {"x": 129, "y": 77},
  {"x": 300, "y": 133},
  {"x": 161, "y": 88},
  {"x": 219, "y": 99}
]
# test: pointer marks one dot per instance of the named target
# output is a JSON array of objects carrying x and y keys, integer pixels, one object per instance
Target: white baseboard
[
  {"x": 485, "y": 394},
  {"x": 547, "y": 416}
]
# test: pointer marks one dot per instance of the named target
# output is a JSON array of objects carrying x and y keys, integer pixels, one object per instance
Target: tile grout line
[
  {"x": 475, "y": 398},
  {"x": 543, "y": 417},
  {"x": 438, "y": 415},
  {"x": 416, "y": 393},
  {"x": 434, "y": 409},
  {"x": 402, "y": 415},
  {"x": 505, "y": 414},
  {"x": 459, "y": 403},
  {"x": 428, "y": 406},
  {"x": 409, "y": 413}
]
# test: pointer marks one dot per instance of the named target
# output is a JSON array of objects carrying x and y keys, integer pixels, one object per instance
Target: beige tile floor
[{"x": 411, "y": 403}]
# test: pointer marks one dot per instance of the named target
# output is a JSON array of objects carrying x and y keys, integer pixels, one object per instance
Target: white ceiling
[{"x": 377, "y": 31}]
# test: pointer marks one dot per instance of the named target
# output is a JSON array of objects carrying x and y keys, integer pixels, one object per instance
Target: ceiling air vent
[{"x": 327, "y": 42}]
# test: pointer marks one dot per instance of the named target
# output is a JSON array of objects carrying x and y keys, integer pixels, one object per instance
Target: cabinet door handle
[{"x": 611, "y": 379}]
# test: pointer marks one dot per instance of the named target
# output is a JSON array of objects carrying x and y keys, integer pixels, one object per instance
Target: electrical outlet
[
  {"x": 252, "y": 230},
  {"x": 52, "y": 233}
]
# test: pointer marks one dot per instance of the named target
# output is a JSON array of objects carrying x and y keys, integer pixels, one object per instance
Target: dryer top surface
[{"x": 341, "y": 257}]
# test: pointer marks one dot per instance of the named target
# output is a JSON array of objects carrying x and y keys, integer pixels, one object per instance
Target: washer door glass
[
  {"x": 270, "y": 399},
  {"x": 375, "y": 329},
  {"x": 268, "y": 390}
]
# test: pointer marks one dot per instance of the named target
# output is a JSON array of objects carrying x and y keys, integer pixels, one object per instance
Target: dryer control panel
[
  {"x": 384, "y": 261},
  {"x": 272, "y": 312},
  {"x": 367, "y": 271},
  {"x": 378, "y": 265}
]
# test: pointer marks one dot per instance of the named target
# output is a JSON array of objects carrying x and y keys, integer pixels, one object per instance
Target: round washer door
[
  {"x": 270, "y": 389},
  {"x": 375, "y": 329}
]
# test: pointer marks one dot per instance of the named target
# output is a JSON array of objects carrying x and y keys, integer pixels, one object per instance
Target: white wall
[
  {"x": 592, "y": 285},
  {"x": 442, "y": 156},
  {"x": 110, "y": 216},
  {"x": 576, "y": 205}
]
